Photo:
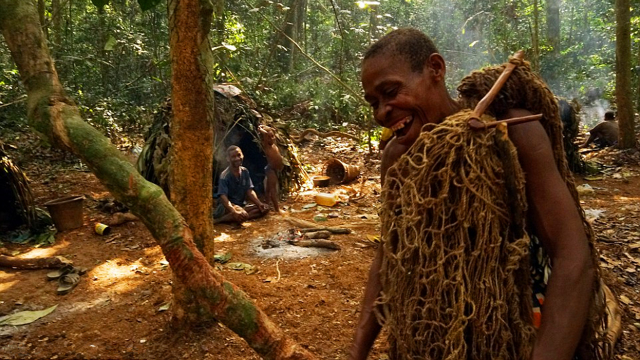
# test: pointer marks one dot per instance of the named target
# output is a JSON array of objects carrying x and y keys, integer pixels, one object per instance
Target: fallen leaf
[
  {"x": 25, "y": 317},
  {"x": 625, "y": 299},
  {"x": 248, "y": 268},
  {"x": 363, "y": 245},
  {"x": 319, "y": 218},
  {"x": 309, "y": 206},
  {"x": 373, "y": 238},
  {"x": 585, "y": 189},
  {"x": 222, "y": 258},
  {"x": 165, "y": 307}
]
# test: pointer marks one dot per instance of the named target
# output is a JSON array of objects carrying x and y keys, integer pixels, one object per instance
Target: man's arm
[
  {"x": 238, "y": 213},
  {"x": 558, "y": 224},
  {"x": 251, "y": 195},
  {"x": 593, "y": 135},
  {"x": 368, "y": 326}
]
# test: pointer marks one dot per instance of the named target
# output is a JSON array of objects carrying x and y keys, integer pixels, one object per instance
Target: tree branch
[{"x": 55, "y": 115}]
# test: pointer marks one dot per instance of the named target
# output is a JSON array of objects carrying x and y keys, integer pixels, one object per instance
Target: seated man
[
  {"x": 234, "y": 187},
  {"x": 274, "y": 165},
  {"x": 444, "y": 282},
  {"x": 604, "y": 134}
]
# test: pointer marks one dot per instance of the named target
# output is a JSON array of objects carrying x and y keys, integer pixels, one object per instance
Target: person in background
[
  {"x": 234, "y": 188},
  {"x": 604, "y": 134},
  {"x": 275, "y": 164}
]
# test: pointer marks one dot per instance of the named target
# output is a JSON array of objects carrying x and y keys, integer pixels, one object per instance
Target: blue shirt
[{"x": 235, "y": 188}]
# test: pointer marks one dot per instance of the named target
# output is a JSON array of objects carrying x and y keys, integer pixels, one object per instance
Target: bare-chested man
[{"x": 604, "y": 134}]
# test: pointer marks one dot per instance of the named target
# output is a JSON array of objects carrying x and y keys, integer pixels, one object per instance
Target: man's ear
[{"x": 437, "y": 66}]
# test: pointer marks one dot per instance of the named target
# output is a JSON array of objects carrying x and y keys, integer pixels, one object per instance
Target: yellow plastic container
[
  {"x": 327, "y": 199},
  {"x": 102, "y": 229}
]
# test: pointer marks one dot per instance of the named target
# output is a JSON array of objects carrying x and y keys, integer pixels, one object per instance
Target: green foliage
[
  {"x": 144, "y": 4},
  {"x": 115, "y": 60},
  {"x": 100, "y": 3},
  {"x": 11, "y": 96},
  {"x": 112, "y": 59},
  {"x": 148, "y": 4}
]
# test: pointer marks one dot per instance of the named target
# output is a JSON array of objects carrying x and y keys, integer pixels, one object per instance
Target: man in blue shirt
[{"x": 234, "y": 187}]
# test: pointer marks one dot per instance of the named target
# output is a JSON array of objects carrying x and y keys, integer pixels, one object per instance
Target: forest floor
[{"x": 119, "y": 308}]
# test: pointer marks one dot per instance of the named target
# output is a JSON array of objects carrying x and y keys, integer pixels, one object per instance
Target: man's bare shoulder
[
  {"x": 392, "y": 152},
  {"x": 529, "y": 138}
]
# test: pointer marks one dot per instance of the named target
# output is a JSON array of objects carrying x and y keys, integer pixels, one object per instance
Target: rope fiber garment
[{"x": 455, "y": 270}]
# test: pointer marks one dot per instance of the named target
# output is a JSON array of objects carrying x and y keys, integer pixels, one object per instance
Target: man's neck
[
  {"x": 449, "y": 108},
  {"x": 235, "y": 170}
]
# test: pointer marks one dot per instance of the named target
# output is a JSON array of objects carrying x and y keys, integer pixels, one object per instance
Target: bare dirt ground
[{"x": 117, "y": 309}]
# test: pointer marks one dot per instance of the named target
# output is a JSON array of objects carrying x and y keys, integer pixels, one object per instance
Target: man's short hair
[
  {"x": 232, "y": 148},
  {"x": 408, "y": 43},
  {"x": 609, "y": 115}
]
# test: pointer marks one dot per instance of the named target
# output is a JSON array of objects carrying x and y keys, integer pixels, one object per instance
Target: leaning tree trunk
[
  {"x": 191, "y": 173},
  {"x": 627, "y": 138},
  {"x": 56, "y": 116}
]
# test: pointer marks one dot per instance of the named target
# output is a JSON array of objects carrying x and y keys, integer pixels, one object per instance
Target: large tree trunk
[
  {"x": 627, "y": 138},
  {"x": 55, "y": 115},
  {"x": 286, "y": 54},
  {"x": 43, "y": 20},
  {"x": 101, "y": 41},
  {"x": 553, "y": 24},
  {"x": 191, "y": 173},
  {"x": 56, "y": 15},
  {"x": 535, "y": 38}
]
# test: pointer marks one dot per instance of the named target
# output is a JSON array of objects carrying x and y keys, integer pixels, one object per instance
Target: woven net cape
[{"x": 455, "y": 270}]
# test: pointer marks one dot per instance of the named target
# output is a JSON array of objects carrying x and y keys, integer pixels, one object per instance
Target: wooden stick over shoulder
[{"x": 483, "y": 105}]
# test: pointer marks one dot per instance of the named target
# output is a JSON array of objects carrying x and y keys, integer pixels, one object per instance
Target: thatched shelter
[
  {"x": 16, "y": 201},
  {"x": 570, "y": 128},
  {"x": 237, "y": 122}
]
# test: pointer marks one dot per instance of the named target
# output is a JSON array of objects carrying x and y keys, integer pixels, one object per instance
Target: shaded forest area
[
  {"x": 115, "y": 59},
  {"x": 151, "y": 285}
]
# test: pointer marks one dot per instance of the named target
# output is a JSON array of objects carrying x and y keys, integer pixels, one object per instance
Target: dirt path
[{"x": 116, "y": 310}]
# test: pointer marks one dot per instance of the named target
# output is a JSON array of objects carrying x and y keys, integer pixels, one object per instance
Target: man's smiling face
[
  {"x": 235, "y": 158},
  {"x": 400, "y": 97}
]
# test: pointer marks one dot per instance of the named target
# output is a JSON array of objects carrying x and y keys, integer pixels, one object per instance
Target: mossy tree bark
[
  {"x": 56, "y": 116},
  {"x": 627, "y": 137},
  {"x": 190, "y": 176}
]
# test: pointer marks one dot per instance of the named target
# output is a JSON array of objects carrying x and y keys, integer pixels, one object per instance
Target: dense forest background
[{"x": 114, "y": 58}]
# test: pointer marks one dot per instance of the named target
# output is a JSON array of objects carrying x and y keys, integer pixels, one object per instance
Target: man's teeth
[{"x": 400, "y": 124}]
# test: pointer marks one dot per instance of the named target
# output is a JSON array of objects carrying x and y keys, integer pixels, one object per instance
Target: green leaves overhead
[
  {"x": 144, "y": 4},
  {"x": 100, "y": 3},
  {"x": 110, "y": 44},
  {"x": 148, "y": 4}
]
